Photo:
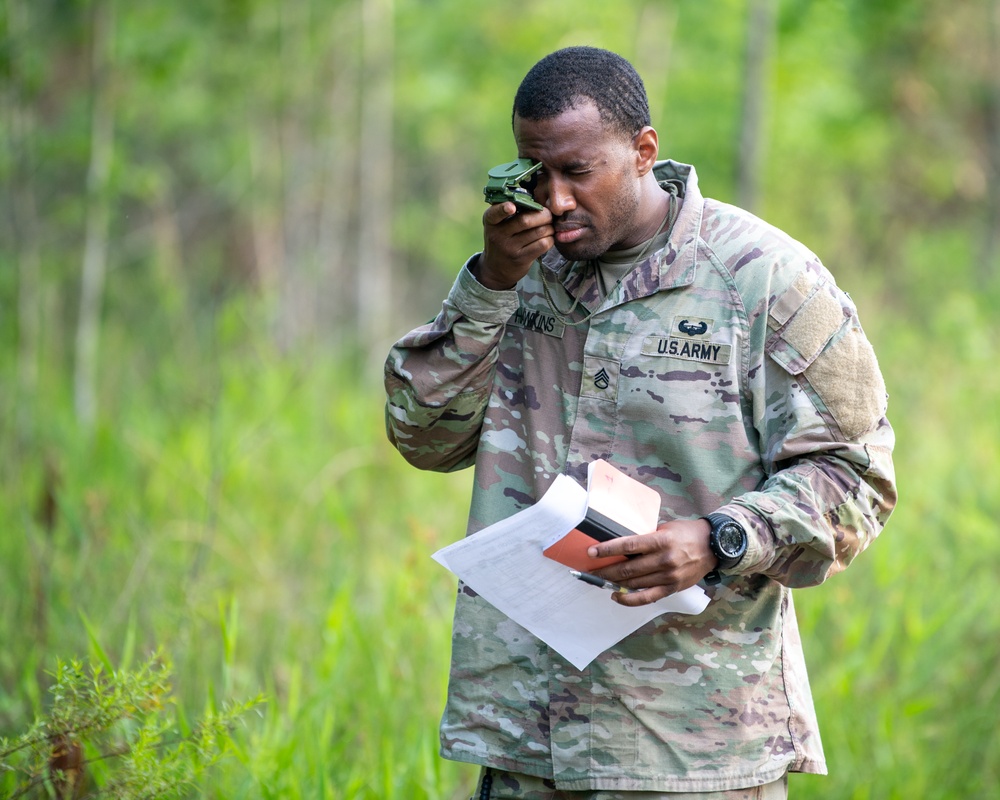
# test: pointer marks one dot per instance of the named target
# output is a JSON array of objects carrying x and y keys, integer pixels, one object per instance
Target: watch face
[{"x": 731, "y": 539}]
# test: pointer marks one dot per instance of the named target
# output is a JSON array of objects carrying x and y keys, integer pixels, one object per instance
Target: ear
[{"x": 647, "y": 147}]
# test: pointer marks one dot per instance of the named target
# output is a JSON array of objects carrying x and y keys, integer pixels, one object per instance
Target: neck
[{"x": 655, "y": 205}]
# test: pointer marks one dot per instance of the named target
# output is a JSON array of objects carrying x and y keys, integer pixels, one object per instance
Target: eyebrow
[{"x": 574, "y": 164}]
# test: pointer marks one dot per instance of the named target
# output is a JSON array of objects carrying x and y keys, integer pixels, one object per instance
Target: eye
[{"x": 529, "y": 183}]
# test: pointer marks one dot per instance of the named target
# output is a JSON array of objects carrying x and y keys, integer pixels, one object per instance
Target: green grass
[
  {"x": 903, "y": 647},
  {"x": 257, "y": 526},
  {"x": 244, "y": 514}
]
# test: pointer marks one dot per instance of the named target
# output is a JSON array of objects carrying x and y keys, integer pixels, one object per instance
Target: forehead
[{"x": 574, "y": 135}]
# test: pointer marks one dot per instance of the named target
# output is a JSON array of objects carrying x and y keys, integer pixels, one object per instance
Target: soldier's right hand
[{"x": 512, "y": 240}]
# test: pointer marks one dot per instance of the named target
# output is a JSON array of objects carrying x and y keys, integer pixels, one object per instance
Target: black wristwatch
[{"x": 728, "y": 541}]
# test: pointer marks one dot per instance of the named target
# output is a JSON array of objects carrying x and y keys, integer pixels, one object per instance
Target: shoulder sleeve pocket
[
  {"x": 816, "y": 336},
  {"x": 803, "y": 320}
]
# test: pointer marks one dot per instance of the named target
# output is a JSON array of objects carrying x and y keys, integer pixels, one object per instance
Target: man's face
[{"x": 588, "y": 180}]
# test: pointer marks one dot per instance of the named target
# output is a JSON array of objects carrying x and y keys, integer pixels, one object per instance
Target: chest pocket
[
  {"x": 681, "y": 376},
  {"x": 679, "y": 409}
]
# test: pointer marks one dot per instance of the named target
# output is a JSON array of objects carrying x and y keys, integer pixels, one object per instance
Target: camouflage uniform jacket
[{"x": 729, "y": 372}]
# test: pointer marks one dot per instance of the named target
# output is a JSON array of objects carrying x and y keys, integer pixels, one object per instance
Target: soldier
[{"x": 704, "y": 353}]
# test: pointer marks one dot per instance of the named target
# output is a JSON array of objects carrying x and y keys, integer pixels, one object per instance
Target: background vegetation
[{"x": 215, "y": 218}]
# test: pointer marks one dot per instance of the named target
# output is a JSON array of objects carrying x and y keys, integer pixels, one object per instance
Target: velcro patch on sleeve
[
  {"x": 819, "y": 318},
  {"x": 789, "y": 302},
  {"x": 803, "y": 320},
  {"x": 847, "y": 378},
  {"x": 816, "y": 334}
]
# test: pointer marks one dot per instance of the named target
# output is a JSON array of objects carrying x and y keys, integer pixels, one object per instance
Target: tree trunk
[
  {"x": 760, "y": 29},
  {"x": 989, "y": 266},
  {"x": 97, "y": 213},
  {"x": 654, "y": 47},
  {"x": 374, "y": 268},
  {"x": 24, "y": 215},
  {"x": 335, "y": 245}
]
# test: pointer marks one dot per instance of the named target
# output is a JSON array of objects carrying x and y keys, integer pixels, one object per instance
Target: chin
[{"x": 580, "y": 251}]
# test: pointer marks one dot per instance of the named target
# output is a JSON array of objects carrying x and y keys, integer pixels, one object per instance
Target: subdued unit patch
[{"x": 848, "y": 380}]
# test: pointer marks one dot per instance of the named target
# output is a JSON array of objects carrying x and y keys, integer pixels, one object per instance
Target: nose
[{"x": 559, "y": 197}]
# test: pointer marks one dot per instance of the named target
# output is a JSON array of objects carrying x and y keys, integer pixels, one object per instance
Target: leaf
[{"x": 95, "y": 645}]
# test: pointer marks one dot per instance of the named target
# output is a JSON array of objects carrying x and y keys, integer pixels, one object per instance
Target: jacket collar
[{"x": 672, "y": 266}]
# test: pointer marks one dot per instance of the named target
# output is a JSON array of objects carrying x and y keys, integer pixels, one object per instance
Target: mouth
[{"x": 569, "y": 231}]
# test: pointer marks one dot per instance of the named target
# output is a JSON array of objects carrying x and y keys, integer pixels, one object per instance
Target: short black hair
[{"x": 563, "y": 79}]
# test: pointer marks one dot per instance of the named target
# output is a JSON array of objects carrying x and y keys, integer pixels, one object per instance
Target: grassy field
[{"x": 244, "y": 513}]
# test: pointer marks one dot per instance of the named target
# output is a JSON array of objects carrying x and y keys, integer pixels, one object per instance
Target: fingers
[
  {"x": 633, "y": 547},
  {"x": 512, "y": 233},
  {"x": 516, "y": 219},
  {"x": 658, "y": 564},
  {"x": 512, "y": 240},
  {"x": 634, "y": 599},
  {"x": 497, "y": 213},
  {"x": 648, "y": 589},
  {"x": 644, "y": 585}
]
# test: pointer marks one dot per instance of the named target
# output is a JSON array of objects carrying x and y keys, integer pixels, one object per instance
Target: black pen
[{"x": 594, "y": 580}]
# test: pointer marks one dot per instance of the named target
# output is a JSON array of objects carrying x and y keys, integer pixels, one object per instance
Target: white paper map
[{"x": 504, "y": 564}]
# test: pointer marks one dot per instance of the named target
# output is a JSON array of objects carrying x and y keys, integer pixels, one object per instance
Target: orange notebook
[{"x": 617, "y": 505}]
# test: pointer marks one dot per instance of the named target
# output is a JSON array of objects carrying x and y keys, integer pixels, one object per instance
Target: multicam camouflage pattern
[
  {"x": 498, "y": 785},
  {"x": 729, "y": 372}
]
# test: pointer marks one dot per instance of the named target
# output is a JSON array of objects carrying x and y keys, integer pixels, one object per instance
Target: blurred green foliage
[
  {"x": 235, "y": 503},
  {"x": 109, "y": 734}
]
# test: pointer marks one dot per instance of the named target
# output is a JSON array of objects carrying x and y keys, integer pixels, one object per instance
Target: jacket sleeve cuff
[
  {"x": 760, "y": 540},
  {"x": 477, "y": 302}
]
